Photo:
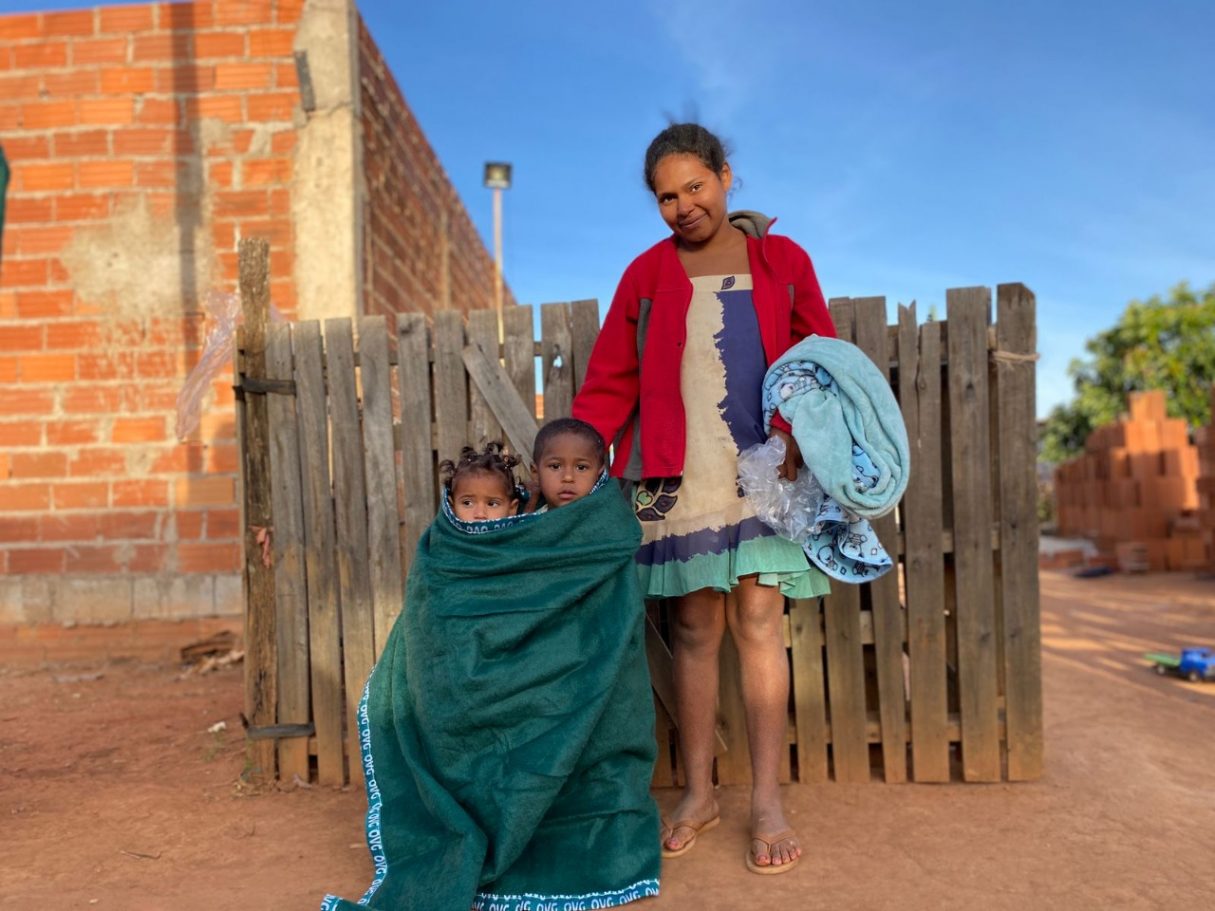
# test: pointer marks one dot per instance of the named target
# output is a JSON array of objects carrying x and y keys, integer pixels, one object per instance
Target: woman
[{"x": 674, "y": 381}]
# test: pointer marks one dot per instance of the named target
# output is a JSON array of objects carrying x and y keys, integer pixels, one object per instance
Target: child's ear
[{"x": 532, "y": 468}]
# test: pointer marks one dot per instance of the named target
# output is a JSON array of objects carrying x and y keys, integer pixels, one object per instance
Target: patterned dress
[{"x": 698, "y": 530}]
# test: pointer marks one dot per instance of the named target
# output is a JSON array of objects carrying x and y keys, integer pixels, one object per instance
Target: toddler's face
[
  {"x": 479, "y": 497},
  {"x": 568, "y": 468}
]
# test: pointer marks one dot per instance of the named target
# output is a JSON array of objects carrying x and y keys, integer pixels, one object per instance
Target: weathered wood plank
[
  {"x": 261, "y": 696},
  {"x": 664, "y": 773},
  {"x": 417, "y": 455},
  {"x": 324, "y": 624},
  {"x": 809, "y": 697},
  {"x": 450, "y": 385},
  {"x": 884, "y": 592},
  {"x": 383, "y": 519},
  {"x": 350, "y": 508},
  {"x": 584, "y": 328},
  {"x": 968, "y": 310},
  {"x": 920, "y": 397},
  {"x": 734, "y": 763},
  {"x": 483, "y": 426},
  {"x": 520, "y": 355},
  {"x": 1017, "y": 340},
  {"x": 558, "y": 372},
  {"x": 290, "y": 586},
  {"x": 494, "y": 387}
]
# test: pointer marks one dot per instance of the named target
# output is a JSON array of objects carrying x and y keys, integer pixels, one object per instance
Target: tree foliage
[{"x": 1156, "y": 344}]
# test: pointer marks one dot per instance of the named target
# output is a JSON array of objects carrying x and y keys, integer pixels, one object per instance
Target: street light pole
[{"x": 497, "y": 178}]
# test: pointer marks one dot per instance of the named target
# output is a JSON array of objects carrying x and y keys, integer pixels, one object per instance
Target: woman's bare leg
[
  {"x": 755, "y": 619},
  {"x": 698, "y": 621}
]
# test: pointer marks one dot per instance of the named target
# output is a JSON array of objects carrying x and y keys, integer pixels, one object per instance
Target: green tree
[{"x": 1156, "y": 344}]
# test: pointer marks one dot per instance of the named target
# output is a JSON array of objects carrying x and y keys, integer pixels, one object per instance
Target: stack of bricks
[
  {"x": 1204, "y": 438},
  {"x": 1136, "y": 484}
]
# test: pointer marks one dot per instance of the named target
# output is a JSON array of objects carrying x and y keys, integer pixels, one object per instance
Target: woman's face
[{"x": 691, "y": 198}]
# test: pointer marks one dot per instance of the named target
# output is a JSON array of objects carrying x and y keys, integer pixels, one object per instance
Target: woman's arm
[{"x": 613, "y": 377}]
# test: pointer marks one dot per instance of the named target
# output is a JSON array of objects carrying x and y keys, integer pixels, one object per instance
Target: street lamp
[{"x": 497, "y": 178}]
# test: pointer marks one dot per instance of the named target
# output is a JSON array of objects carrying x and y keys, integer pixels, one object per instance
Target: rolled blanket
[
  {"x": 508, "y": 727},
  {"x": 846, "y": 421}
]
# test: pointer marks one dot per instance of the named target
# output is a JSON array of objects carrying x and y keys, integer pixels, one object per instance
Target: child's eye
[
  {"x": 495, "y": 503},
  {"x": 694, "y": 187}
]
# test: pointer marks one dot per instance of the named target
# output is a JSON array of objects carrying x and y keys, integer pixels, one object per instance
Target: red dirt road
[{"x": 113, "y": 794}]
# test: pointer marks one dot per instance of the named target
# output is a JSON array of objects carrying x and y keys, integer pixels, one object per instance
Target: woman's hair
[
  {"x": 559, "y": 426},
  {"x": 492, "y": 460},
  {"x": 684, "y": 139}
]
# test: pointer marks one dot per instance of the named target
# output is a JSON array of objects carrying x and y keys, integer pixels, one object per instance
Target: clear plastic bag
[{"x": 788, "y": 507}]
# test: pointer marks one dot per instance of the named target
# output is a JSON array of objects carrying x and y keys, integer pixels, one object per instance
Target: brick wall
[
  {"x": 145, "y": 141},
  {"x": 421, "y": 250}
]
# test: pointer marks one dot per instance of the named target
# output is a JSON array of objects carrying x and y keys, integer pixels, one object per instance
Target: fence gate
[{"x": 931, "y": 673}]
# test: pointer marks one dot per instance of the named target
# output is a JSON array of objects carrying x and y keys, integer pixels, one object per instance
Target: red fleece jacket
[{"x": 633, "y": 375}]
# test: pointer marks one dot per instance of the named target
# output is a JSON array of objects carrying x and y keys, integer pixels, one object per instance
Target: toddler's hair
[
  {"x": 559, "y": 426},
  {"x": 493, "y": 459},
  {"x": 684, "y": 139}
]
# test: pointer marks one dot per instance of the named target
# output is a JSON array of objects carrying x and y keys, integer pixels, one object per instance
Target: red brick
[
  {"x": 123, "y": 19},
  {"x": 70, "y": 433},
  {"x": 141, "y": 493},
  {"x": 71, "y": 84},
  {"x": 271, "y": 42},
  {"x": 8, "y": 370},
  {"x": 189, "y": 524},
  {"x": 124, "y": 80},
  {"x": 158, "y": 364},
  {"x": 223, "y": 457},
  {"x": 82, "y": 207},
  {"x": 22, "y": 210},
  {"x": 208, "y": 45},
  {"x": 152, "y": 142},
  {"x": 186, "y": 79},
  {"x": 21, "y": 337},
  {"x": 147, "y": 558},
  {"x": 47, "y": 368},
  {"x": 37, "y": 465},
  {"x": 208, "y": 557},
  {"x": 14, "y": 529},
  {"x": 33, "y": 304},
  {"x": 101, "y": 50},
  {"x": 67, "y": 24},
  {"x": 15, "y": 28},
  {"x": 162, "y": 46},
  {"x": 240, "y": 202},
  {"x": 40, "y": 241},
  {"x": 94, "y": 461},
  {"x": 24, "y": 148},
  {"x": 280, "y": 202},
  {"x": 166, "y": 173},
  {"x": 112, "y": 173},
  {"x": 158, "y": 111},
  {"x": 39, "y": 178},
  {"x": 91, "y": 400},
  {"x": 209, "y": 490},
  {"x": 223, "y": 235},
  {"x": 25, "y": 497},
  {"x": 57, "y": 273},
  {"x": 85, "y": 558},
  {"x": 81, "y": 144},
  {"x": 43, "y": 55},
  {"x": 109, "y": 366},
  {"x": 21, "y": 401},
  {"x": 287, "y": 12},
  {"x": 272, "y": 106},
  {"x": 233, "y": 76},
  {"x": 21, "y": 433},
  {"x": 219, "y": 175},
  {"x": 17, "y": 88},
  {"x": 8, "y": 299},
  {"x": 69, "y": 526},
  {"x": 179, "y": 459},
  {"x": 81, "y": 495},
  {"x": 138, "y": 430},
  {"x": 35, "y": 560},
  {"x": 178, "y": 16},
  {"x": 282, "y": 142},
  {"x": 10, "y": 116},
  {"x": 107, "y": 111},
  {"x": 81, "y": 334},
  {"x": 286, "y": 76},
  {"x": 223, "y": 523},
  {"x": 243, "y": 12},
  {"x": 119, "y": 526}
]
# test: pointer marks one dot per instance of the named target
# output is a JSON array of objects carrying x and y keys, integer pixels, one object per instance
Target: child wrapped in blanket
[{"x": 507, "y": 730}]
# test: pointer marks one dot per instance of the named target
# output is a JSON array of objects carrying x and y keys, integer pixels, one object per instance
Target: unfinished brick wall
[
  {"x": 421, "y": 250},
  {"x": 145, "y": 141}
]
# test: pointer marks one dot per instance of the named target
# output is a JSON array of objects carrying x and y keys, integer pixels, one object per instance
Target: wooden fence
[{"x": 930, "y": 673}]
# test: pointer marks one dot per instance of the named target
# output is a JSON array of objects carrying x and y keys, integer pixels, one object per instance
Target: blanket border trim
[{"x": 528, "y": 901}]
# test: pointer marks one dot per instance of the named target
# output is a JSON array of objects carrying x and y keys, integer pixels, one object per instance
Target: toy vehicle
[{"x": 1193, "y": 664}]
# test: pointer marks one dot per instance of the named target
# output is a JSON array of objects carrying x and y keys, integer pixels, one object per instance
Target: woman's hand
[{"x": 793, "y": 455}]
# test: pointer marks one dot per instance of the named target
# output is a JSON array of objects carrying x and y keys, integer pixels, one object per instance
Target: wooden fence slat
[
  {"x": 450, "y": 386},
  {"x": 734, "y": 762},
  {"x": 324, "y": 625},
  {"x": 844, "y": 651},
  {"x": 664, "y": 774},
  {"x": 261, "y": 697},
  {"x": 495, "y": 388},
  {"x": 483, "y": 426},
  {"x": 383, "y": 524},
  {"x": 1017, "y": 342},
  {"x": 809, "y": 698},
  {"x": 417, "y": 453},
  {"x": 584, "y": 328},
  {"x": 557, "y": 356},
  {"x": 350, "y": 508},
  {"x": 884, "y": 591},
  {"x": 967, "y": 310},
  {"x": 920, "y": 397},
  {"x": 290, "y": 586},
  {"x": 520, "y": 350}
]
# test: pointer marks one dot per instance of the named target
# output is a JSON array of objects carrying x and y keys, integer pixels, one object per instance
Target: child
[
  {"x": 507, "y": 729},
  {"x": 481, "y": 485}
]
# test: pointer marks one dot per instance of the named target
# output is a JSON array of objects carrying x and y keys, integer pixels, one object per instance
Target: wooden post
[{"x": 261, "y": 692}]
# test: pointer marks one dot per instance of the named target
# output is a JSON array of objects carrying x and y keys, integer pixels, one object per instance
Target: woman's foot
[
  {"x": 691, "y": 816},
  {"x": 773, "y": 843}
]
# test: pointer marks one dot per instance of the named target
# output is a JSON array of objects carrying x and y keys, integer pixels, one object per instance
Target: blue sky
[{"x": 909, "y": 147}]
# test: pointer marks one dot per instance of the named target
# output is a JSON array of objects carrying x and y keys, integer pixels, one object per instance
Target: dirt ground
[{"x": 114, "y": 795}]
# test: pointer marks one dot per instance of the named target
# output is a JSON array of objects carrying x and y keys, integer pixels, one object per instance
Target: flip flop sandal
[
  {"x": 697, "y": 828},
  {"x": 771, "y": 869}
]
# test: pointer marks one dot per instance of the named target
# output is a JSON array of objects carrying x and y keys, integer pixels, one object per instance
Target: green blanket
[{"x": 508, "y": 727}]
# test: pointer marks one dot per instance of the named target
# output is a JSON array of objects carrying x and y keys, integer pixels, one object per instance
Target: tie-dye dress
[{"x": 698, "y": 530}]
